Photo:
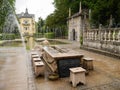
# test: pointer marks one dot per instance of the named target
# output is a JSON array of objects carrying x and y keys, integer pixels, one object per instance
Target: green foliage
[
  {"x": 101, "y": 11},
  {"x": 40, "y": 25},
  {"x": 17, "y": 36},
  {"x": 38, "y": 35},
  {"x": 8, "y": 36},
  {"x": 0, "y": 36},
  {"x": 27, "y": 47},
  {"x": 5, "y": 6},
  {"x": 49, "y": 35}
]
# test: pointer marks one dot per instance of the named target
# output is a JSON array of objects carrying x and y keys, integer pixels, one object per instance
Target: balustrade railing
[
  {"x": 107, "y": 39},
  {"x": 111, "y": 34}
]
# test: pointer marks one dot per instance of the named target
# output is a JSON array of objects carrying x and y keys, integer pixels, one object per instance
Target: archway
[{"x": 74, "y": 34}]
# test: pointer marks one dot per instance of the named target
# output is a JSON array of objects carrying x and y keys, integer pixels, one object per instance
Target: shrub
[
  {"x": 8, "y": 36},
  {"x": 49, "y": 35},
  {"x": 38, "y": 35},
  {"x": 0, "y": 36},
  {"x": 17, "y": 36}
]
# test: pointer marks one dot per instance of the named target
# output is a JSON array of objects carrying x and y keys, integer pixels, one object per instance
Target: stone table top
[{"x": 59, "y": 53}]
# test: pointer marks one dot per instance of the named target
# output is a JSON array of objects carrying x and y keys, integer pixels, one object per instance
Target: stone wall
[{"x": 105, "y": 39}]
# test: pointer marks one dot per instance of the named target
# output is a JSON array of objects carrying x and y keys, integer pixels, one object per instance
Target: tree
[
  {"x": 40, "y": 24},
  {"x": 101, "y": 11},
  {"x": 5, "y": 7}
]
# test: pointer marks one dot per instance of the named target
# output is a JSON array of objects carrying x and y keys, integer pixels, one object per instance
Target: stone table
[{"x": 59, "y": 61}]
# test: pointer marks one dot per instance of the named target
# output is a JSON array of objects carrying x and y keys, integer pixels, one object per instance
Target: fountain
[{"x": 13, "y": 51}]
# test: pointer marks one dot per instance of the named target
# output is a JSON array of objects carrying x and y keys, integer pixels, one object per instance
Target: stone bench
[
  {"x": 88, "y": 63},
  {"x": 39, "y": 68},
  {"x": 77, "y": 75}
]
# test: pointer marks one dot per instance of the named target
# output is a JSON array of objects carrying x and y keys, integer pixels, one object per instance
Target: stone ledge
[{"x": 101, "y": 52}]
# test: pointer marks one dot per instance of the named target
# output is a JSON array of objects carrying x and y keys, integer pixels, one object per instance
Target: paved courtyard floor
[
  {"x": 105, "y": 76},
  {"x": 16, "y": 72},
  {"x": 15, "y": 69}
]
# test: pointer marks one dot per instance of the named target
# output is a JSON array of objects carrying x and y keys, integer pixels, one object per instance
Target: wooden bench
[
  {"x": 88, "y": 63},
  {"x": 77, "y": 75}
]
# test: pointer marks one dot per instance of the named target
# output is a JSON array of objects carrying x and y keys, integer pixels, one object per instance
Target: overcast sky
[{"x": 41, "y": 8}]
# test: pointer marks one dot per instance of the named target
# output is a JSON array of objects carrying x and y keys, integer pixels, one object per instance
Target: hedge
[
  {"x": 38, "y": 35},
  {"x": 49, "y": 35},
  {"x": 7, "y": 36}
]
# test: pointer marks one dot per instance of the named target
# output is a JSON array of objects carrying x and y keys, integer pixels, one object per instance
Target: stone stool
[
  {"x": 39, "y": 68},
  {"x": 88, "y": 63},
  {"x": 34, "y": 56},
  {"x": 77, "y": 75},
  {"x": 34, "y": 53},
  {"x": 36, "y": 60}
]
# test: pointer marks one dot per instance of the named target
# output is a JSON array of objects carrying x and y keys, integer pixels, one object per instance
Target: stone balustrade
[{"x": 107, "y": 39}]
